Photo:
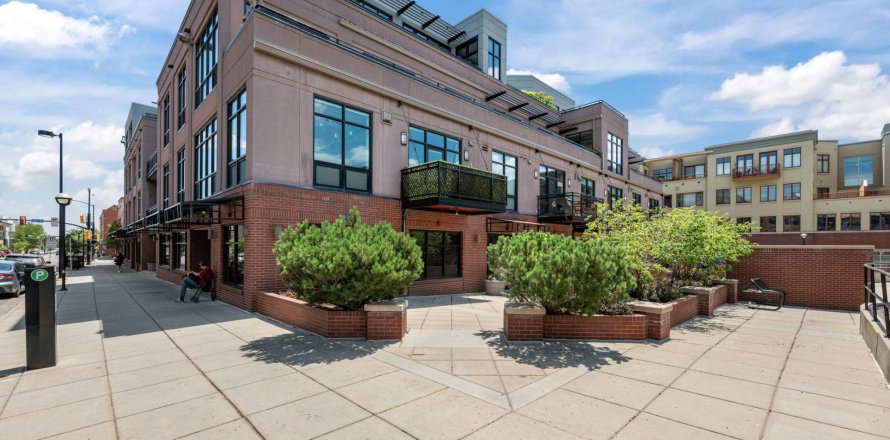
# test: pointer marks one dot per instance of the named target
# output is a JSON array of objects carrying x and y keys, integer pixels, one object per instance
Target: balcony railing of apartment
[
  {"x": 756, "y": 171},
  {"x": 682, "y": 177},
  {"x": 151, "y": 165},
  {"x": 852, "y": 194},
  {"x": 446, "y": 186},
  {"x": 152, "y": 217},
  {"x": 566, "y": 207}
]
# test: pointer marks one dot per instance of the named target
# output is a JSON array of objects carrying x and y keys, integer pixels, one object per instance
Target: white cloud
[
  {"x": 782, "y": 126},
  {"x": 29, "y": 30},
  {"x": 655, "y": 152},
  {"x": 554, "y": 80},
  {"x": 825, "y": 93},
  {"x": 659, "y": 125}
]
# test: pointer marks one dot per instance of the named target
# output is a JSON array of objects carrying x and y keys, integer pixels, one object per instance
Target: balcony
[
  {"x": 570, "y": 208},
  {"x": 151, "y": 165},
  {"x": 443, "y": 186},
  {"x": 758, "y": 171},
  {"x": 852, "y": 194}
]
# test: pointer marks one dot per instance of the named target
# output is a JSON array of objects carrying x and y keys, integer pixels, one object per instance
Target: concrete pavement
[{"x": 134, "y": 364}]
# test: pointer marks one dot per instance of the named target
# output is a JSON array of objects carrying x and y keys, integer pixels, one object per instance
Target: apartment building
[
  {"x": 140, "y": 192},
  {"x": 787, "y": 185},
  {"x": 285, "y": 111}
]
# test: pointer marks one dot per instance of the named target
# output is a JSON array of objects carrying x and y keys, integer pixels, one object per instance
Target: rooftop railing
[
  {"x": 853, "y": 193},
  {"x": 765, "y": 170},
  {"x": 875, "y": 286}
]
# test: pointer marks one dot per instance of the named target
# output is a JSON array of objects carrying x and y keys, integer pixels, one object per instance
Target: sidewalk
[{"x": 135, "y": 364}]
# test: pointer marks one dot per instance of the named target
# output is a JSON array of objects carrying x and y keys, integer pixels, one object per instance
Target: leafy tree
[
  {"x": 112, "y": 243},
  {"x": 542, "y": 98},
  {"x": 561, "y": 274},
  {"x": 28, "y": 236},
  {"x": 347, "y": 263}
]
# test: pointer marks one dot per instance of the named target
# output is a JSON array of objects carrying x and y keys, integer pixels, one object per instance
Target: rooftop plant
[{"x": 347, "y": 263}]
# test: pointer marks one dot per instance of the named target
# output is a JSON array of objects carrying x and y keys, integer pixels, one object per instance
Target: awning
[{"x": 508, "y": 226}]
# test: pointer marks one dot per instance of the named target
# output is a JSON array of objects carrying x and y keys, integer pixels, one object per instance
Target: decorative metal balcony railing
[
  {"x": 152, "y": 164},
  {"x": 852, "y": 194},
  {"x": 566, "y": 207},
  {"x": 756, "y": 171},
  {"x": 450, "y": 187}
]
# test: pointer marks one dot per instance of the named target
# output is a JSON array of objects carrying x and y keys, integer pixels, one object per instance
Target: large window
[
  {"x": 233, "y": 254},
  {"x": 552, "y": 181},
  {"x": 637, "y": 198},
  {"x": 744, "y": 164},
  {"x": 880, "y": 221},
  {"x": 767, "y": 193},
  {"x": 791, "y": 223},
  {"x": 767, "y": 224},
  {"x": 668, "y": 201},
  {"x": 615, "y": 154},
  {"x": 791, "y": 191},
  {"x": 690, "y": 199},
  {"x": 494, "y": 58},
  {"x": 653, "y": 203},
  {"x": 743, "y": 195},
  {"x": 205, "y": 60},
  {"x": 205, "y": 161},
  {"x": 858, "y": 169},
  {"x": 614, "y": 194},
  {"x": 180, "y": 244},
  {"x": 166, "y": 121},
  {"x": 768, "y": 161},
  {"x": 851, "y": 221},
  {"x": 238, "y": 139},
  {"x": 723, "y": 167},
  {"x": 180, "y": 176},
  {"x": 428, "y": 146},
  {"x": 166, "y": 186},
  {"x": 505, "y": 165},
  {"x": 588, "y": 187},
  {"x": 791, "y": 157},
  {"x": 826, "y": 222},
  {"x": 694, "y": 172},
  {"x": 663, "y": 174},
  {"x": 822, "y": 163},
  {"x": 822, "y": 193},
  {"x": 722, "y": 197},
  {"x": 582, "y": 138},
  {"x": 744, "y": 221},
  {"x": 342, "y": 146},
  {"x": 469, "y": 51},
  {"x": 181, "y": 97},
  {"x": 441, "y": 253},
  {"x": 165, "y": 249}
]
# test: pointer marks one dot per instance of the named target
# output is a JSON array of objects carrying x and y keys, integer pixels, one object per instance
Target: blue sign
[{"x": 36, "y": 220}]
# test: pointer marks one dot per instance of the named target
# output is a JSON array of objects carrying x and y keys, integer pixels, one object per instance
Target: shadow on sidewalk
[
  {"x": 554, "y": 354},
  {"x": 303, "y": 349}
]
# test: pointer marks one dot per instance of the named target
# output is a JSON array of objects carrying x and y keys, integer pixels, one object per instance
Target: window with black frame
[
  {"x": 823, "y": 163},
  {"x": 879, "y": 221},
  {"x": 166, "y": 120},
  {"x": 504, "y": 164},
  {"x": 166, "y": 186},
  {"x": 744, "y": 164},
  {"x": 428, "y": 146},
  {"x": 743, "y": 195},
  {"x": 441, "y": 252},
  {"x": 791, "y": 157},
  {"x": 469, "y": 51},
  {"x": 723, "y": 166},
  {"x": 613, "y": 194},
  {"x": 663, "y": 174},
  {"x": 826, "y": 222},
  {"x": 551, "y": 180},
  {"x": 582, "y": 138},
  {"x": 768, "y": 161},
  {"x": 205, "y": 161},
  {"x": 233, "y": 254},
  {"x": 238, "y": 139},
  {"x": 851, "y": 221},
  {"x": 767, "y": 193},
  {"x": 615, "y": 154},
  {"x": 342, "y": 146},
  {"x": 181, "y": 97},
  {"x": 791, "y": 191},
  {"x": 791, "y": 223},
  {"x": 768, "y": 224},
  {"x": 205, "y": 60},
  {"x": 694, "y": 171},
  {"x": 687, "y": 200},
  {"x": 722, "y": 197},
  {"x": 637, "y": 198},
  {"x": 668, "y": 201},
  {"x": 164, "y": 242},
  {"x": 588, "y": 187},
  {"x": 180, "y": 175},
  {"x": 180, "y": 246},
  {"x": 494, "y": 59},
  {"x": 653, "y": 203}
]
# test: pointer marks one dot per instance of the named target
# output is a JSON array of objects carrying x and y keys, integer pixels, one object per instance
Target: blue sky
[{"x": 687, "y": 74}]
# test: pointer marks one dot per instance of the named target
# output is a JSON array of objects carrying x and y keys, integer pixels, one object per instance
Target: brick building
[
  {"x": 287, "y": 111},
  {"x": 140, "y": 188},
  {"x": 108, "y": 216}
]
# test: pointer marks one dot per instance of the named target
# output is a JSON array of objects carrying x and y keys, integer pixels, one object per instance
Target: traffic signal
[
  {"x": 23, "y": 220},
  {"x": 82, "y": 220}
]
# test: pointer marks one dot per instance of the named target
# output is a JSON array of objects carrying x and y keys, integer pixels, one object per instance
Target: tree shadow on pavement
[
  {"x": 555, "y": 354},
  {"x": 302, "y": 349}
]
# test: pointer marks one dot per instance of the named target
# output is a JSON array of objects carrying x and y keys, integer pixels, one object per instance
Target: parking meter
[{"x": 40, "y": 317}]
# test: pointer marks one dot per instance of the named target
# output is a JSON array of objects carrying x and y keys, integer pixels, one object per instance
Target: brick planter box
[
  {"x": 523, "y": 322},
  {"x": 685, "y": 309},
  {"x": 732, "y": 289},
  {"x": 387, "y": 320},
  {"x": 709, "y": 298},
  {"x": 661, "y": 317}
]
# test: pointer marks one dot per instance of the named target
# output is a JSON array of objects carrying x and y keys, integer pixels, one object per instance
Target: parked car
[
  {"x": 27, "y": 260},
  {"x": 12, "y": 274}
]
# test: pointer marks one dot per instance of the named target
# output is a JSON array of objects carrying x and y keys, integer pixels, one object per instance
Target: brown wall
[
  {"x": 824, "y": 277},
  {"x": 878, "y": 239}
]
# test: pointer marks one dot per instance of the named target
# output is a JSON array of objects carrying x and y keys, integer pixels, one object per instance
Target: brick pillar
[
  {"x": 523, "y": 322},
  {"x": 387, "y": 320},
  {"x": 658, "y": 318},
  {"x": 709, "y": 298},
  {"x": 732, "y": 289}
]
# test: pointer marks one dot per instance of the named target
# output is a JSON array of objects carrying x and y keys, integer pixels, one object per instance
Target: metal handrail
[
  {"x": 872, "y": 297},
  {"x": 853, "y": 193},
  {"x": 757, "y": 170}
]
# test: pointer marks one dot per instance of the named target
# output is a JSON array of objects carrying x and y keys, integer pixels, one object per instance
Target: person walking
[
  {"x": 193, "y": 280},
  {"x": 119, "y": 261}
]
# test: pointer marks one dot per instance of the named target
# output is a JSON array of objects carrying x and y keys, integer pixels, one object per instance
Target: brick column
[
  {"x": 709, "y": 298},
  {"x": 523, "y": 322},
  {"x": 387, "y": 320},
  {"x": 658, "y": 318},
  {"x": 732, "y": 289}
]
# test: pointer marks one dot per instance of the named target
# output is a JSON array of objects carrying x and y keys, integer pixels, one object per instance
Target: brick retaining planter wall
[
  {"x": 383, "y": 321},
  {"x": 709, "y": 298},
  {"x": 622, "y": 327},
  {"x": 823, "y": 277},
  {"x": 685, "y": 309}
]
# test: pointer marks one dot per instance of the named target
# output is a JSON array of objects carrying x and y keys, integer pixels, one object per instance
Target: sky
[{"x": 687, "y": 74}]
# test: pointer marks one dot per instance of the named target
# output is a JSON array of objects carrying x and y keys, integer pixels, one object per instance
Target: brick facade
[
  {"x": 622, "y": 327},
  {"x": 824, "y": 277},
  {"x": 685, "y": 309},
  {"x": 878, "y": 239},
  {"x": 375, "y": 324},
  {"x": 523, "y": 327}
]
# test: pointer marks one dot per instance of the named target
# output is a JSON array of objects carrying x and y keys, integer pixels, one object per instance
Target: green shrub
[
  {"x": 347, "y": 263},
  {"x": 561, "y": 274}
]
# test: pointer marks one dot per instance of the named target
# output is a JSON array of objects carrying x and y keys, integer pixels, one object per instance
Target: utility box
[{"x": 40, "y": 317}]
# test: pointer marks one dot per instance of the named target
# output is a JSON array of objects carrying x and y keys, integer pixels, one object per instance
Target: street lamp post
[
  {"x": 62, "y": 199},
  {"x": 803, "y": 238}
]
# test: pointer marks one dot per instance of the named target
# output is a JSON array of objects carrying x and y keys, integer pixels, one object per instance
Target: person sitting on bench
[{"x": 194, "y": 280}]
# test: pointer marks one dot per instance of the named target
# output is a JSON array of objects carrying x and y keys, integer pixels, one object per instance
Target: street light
[
  {"x": 803, "y": 238},
  {"x": 62, "y": 199},
  {"x": 90, "y": 221}
]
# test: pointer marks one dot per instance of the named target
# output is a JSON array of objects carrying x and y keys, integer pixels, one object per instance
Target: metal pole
[
  {"x": 89, "y": 228},
  {"x": 63, "y": 250}
]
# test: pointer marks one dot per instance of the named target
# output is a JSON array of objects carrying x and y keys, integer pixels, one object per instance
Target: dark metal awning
[
  {"x": 518, "y": 104},
  {"x": 508, "y": 226},
  {"x": 423, "y": 19},
  {"x": 198, "y": 213}
]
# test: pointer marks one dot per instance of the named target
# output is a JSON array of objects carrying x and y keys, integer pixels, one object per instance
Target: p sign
[{"x": 39, "y": 275}]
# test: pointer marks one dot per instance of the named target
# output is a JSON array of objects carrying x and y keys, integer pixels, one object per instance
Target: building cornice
[{"x": 789, "y": 138}]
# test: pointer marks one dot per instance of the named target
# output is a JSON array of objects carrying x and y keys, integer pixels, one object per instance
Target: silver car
[
  {"x": 12, "y": 274},
  {"x": 28, "y": 260}
]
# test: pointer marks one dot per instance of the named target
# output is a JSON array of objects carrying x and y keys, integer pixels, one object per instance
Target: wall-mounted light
[
  {"x": 403, "y": 138},
  {"x": 277, "y": 232},
  {"x": 387, "y": 117},
  {"x": 466, "y": 155},
  {"x": 570, "y": 183},
  {"x": 537, "y": 174}
]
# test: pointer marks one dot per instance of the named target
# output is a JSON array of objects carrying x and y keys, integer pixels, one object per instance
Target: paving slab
[
  {"x": 307, "y": 418},
  {"x": 580, "y": 415},
  {"x": 708, "y": 413},
  {"x": 447, "y": 414}
]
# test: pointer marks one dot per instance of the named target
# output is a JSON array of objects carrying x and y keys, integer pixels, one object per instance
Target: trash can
[{"x": 40, "y": 317}]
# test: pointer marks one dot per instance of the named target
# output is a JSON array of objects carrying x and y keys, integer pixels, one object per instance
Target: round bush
[
  {"x": 561, "y": 274},
  {"x": 347, "y": 263}
]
